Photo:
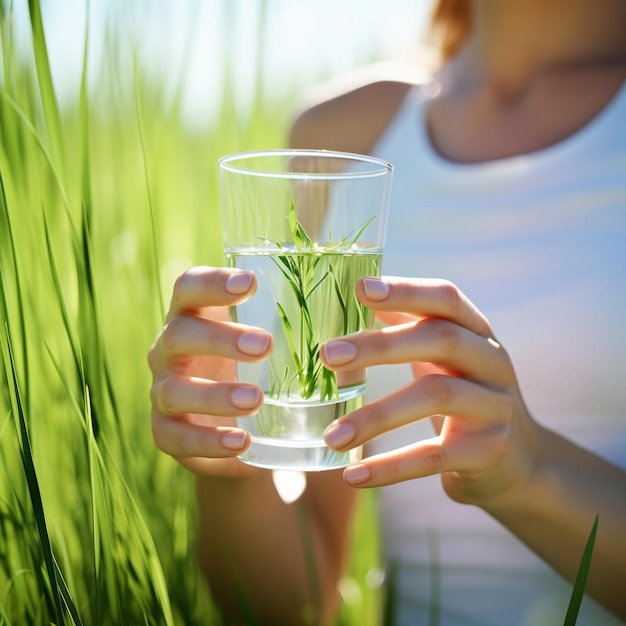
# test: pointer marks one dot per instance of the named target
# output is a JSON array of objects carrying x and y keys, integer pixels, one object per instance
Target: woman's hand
[
  {"x": 463, "y": 379},
  {"x": 194, "y": 394}
]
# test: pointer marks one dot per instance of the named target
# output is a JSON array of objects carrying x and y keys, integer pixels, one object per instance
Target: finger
[
  {"x": 223, "y": 468},
  {"x": 178, "y": 395},
  {"x": 188, "y": 335},
  {"x": 392, "y": 318},
  {"x": 182, "y": 437},
  {"x": 429, "y": 457},
  {"x": 201, "y": 287},
  {"x": 433, "y": 340},
  {"x": 474, "y": 405},
  {"x": 423, "y": 298}
]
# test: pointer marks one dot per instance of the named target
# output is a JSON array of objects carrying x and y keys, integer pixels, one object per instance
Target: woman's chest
[{"x": 548, "y": 268}]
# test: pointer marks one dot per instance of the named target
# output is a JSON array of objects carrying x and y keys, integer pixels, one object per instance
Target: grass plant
[
  {"x": 578, "y": 590},
  {"x": 306, "y": 269}
]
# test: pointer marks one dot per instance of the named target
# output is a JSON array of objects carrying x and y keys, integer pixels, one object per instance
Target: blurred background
[
  {"x": 112, "y": 117},
  {"x": 278, "y": 46}
]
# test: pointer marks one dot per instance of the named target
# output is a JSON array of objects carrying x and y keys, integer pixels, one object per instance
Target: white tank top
[{"x": 538, "y": 243}]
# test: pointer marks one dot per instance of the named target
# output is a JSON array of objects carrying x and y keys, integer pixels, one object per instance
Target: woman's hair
[{"x": 451, "y": 25}]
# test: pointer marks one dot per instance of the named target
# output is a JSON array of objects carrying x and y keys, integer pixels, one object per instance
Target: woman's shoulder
[{"x": 350, "y": 113}]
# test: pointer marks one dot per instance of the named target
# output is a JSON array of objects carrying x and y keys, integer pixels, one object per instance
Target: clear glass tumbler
[{"x": 308, "y": 224}]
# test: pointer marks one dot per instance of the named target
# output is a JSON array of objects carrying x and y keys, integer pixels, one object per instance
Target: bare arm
[
  {"x": 251, "y": 544},
  {"x": 553, "y": 514}
]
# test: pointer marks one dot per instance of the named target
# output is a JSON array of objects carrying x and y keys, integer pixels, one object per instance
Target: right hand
[{"x": 194, "y": 395}]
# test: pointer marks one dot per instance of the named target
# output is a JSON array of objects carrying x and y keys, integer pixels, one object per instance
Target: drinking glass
[{"x": 308, "y": 224}]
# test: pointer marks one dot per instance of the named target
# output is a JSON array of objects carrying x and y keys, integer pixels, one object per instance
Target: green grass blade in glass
[{"x": 322, "y": 306}]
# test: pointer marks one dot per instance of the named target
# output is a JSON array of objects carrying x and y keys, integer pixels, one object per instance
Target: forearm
[
  {"x": 554, "y": 515},
  {"x": 280, "y": 560}
]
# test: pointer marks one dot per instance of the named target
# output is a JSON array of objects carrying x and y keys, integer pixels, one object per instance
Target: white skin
[{"x": 489, "y": 451}]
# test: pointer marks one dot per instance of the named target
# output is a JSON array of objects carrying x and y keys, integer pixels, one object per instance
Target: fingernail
[
  {"x": 375, "y": 290},
  {"x": 245, "y": 397},
  {"x": 253, "y": 343},
  {"x": 339, "y": 352},
  {"x": 356, "y": 474},
  {"x": 234, "y": 439},
  {"x": 339, "y": 435},
  {"x": 238, "y": 283}
]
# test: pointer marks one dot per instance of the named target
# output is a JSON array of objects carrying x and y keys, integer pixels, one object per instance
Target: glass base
[
  {"x": 288, "y": 434},
  {"x": 303, "y": 456}
]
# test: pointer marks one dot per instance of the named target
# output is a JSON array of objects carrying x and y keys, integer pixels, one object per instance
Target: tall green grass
[{"x": 101, "y": 204}]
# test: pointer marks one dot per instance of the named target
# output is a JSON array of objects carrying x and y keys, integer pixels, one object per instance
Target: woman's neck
[
  {"x": 532, "y": 73},
  {"x": 515, "y": 42}
]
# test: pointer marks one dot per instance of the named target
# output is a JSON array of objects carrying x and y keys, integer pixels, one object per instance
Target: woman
[{"x": 510, "y": 187}]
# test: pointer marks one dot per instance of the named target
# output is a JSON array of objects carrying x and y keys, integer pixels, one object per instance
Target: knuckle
[
  {"x": 192, "y": 287},
  {"x": 393, "y": 471},
  {"x": 498, "y": 445},
  {"x": 451, "y": 296},
  {"x": 502, "y": 444},
  {"x": 438, "y": 389},
  {"x": 180, "y": 440},
  {"x": 165, "y": 393},
  {"x": 171, "y": 333},
  {"x": 191, "y": 274},
  {"x": 379, "y": 343},
  {"x": 431, "y": 458},
  {"x": 504, "y": 408},
  {"x": 421, "y": 460},
  {"x": 377, "y": 416},
  {"x": 447, "y": 334},
  {"x": 173, "y": 436}
]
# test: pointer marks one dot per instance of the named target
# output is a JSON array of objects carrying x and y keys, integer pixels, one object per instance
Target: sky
[{"x": 188, "y": 40}]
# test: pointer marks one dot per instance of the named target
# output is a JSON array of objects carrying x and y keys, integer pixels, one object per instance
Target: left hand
[{"x": 463, "y": 379}]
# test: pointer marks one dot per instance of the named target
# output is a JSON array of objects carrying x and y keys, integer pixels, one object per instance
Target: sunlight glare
[{"x": 289, "y": 484}]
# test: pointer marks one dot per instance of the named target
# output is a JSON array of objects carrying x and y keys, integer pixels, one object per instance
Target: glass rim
[{"x": 228, "y": 163}]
